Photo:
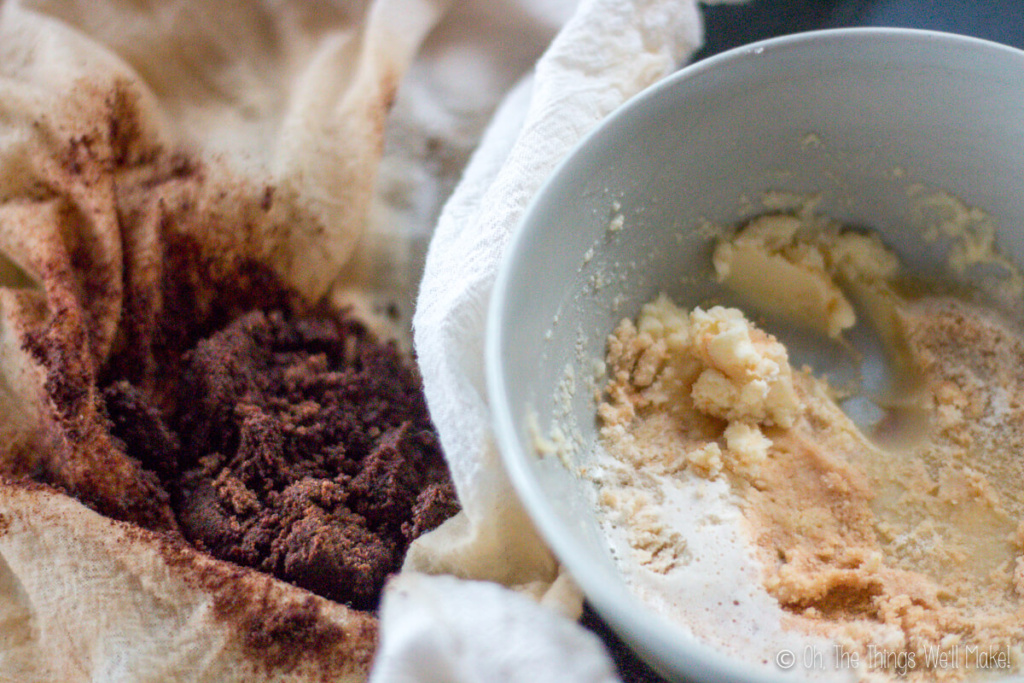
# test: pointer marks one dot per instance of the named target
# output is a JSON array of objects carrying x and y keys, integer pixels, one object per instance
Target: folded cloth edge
[{"x": 609, "y": 51}]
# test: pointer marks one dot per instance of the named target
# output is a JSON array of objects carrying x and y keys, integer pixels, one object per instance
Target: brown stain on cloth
[{"x": 159, "y": 407}]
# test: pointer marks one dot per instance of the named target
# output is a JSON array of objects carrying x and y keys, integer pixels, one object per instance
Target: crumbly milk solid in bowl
[{"x": 869, "y": 127}]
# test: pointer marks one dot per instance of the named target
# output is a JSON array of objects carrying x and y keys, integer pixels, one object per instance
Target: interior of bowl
[{"x": 864, "y": 120}]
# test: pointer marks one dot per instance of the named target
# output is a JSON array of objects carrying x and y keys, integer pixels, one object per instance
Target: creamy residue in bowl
[{"x": 742, "y": 502}]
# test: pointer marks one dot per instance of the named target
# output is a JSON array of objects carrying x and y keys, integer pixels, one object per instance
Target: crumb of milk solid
[
  {"x": 939, "y": 214},
  {"x": 748, "y": 442},
  {"x": 550, "y": 443},
  {"x": 768, "y": 250},
  {"x": 808, "y": 266},
  {"x": 713, "y": 364},
  {"x": 794, "y": 202},
  {"x": 562, "y": 439},
  {"x": 811, "y": 141},
  {"x": 746, "y": 373}
]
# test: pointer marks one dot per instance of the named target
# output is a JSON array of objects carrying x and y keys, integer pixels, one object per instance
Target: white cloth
[
  {"x": 608, "y": 51},
  {"x": 253, "y": 129},
  {"x": 287, "y": 93},
  {"x": 466, "y": 66},
  {"x": 445, "y": 630}
]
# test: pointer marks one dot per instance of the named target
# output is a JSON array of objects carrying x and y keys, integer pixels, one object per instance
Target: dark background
[{"x": 729, "y": 26}]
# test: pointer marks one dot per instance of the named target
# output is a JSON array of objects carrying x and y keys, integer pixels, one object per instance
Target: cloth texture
[
  {"x": 261, "y": 133},
  {"x": 606, "y": 53},
  {"x": 221, "y": 140}
]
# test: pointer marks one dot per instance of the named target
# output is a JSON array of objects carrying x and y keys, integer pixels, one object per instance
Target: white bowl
[{"x": 856, "y": 116}]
